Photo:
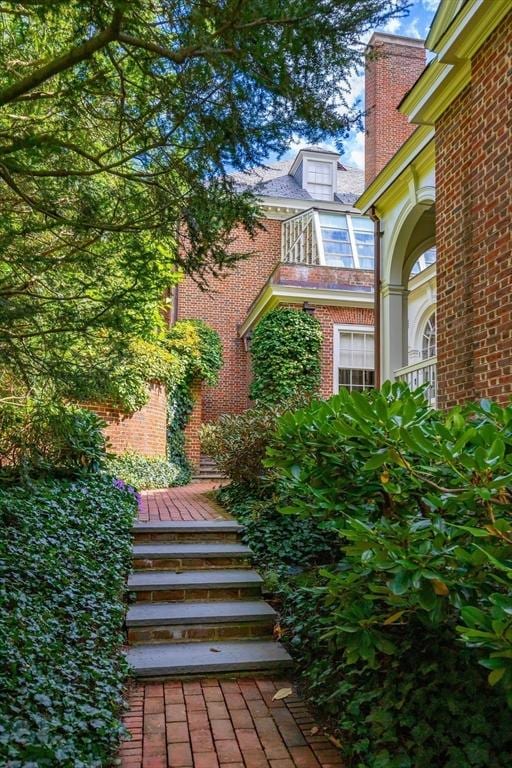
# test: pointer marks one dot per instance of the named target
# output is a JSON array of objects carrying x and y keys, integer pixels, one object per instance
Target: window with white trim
[
  {"x": 354, "y": 363},
  {"x": 319, "y": 178},
  {"x": 348, "y": 241},
  {"x": 424, "y": 261},
  {"x": 429, "y": 340}
]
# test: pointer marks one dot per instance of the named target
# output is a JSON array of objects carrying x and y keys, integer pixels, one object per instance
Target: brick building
[
  {"x": 315, "y": 252},
  {"x": 446, "y": 192}
]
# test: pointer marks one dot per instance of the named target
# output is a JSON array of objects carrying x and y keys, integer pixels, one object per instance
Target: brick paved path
[
  {"x": 184, "y": 503},
  {"x": 222, "y": 724}
]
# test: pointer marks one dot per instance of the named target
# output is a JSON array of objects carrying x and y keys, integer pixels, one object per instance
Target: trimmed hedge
[
  {"x": 143, "y": 472},
  {"x": 64, "y": 557}
]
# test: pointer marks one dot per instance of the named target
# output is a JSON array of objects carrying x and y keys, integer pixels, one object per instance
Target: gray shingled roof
[{"x": 273, "y": 180}]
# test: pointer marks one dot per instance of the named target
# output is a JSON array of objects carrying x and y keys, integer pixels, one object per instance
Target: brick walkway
[
  {"x": 222, "y": 724},
  {"x": 184, "y": 503}
]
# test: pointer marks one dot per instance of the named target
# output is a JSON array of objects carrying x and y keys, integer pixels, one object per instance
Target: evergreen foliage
[
  {"x": 119, "y": 125},
  {"x": 199, "y": 349},
  {"x": 65, "y": 555},
  {"x": 402, "y": 628},
  {"x": 143, "y": 472},
  {"x": 285, "y": 354}
]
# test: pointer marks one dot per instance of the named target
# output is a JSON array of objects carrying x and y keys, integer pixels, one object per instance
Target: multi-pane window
[
  {"x": 354, "y": 350},
  {"x": 364, "y": 241},
  {"x": 347, "y": 240},
  {"x": 325, "y": 237},
  {"x": 424, "y": 261},
  {"x": 428, "y": 348},
  {"x": 336, "y": 240},
  {"x": 319, "y": 177}
]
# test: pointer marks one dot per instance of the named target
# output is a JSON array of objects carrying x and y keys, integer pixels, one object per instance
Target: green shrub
[
  {"x": 285, "y": 354},
  {"x": 179, "y": 408},
  {"x": 421, "y": 596},
  {"x": 429, "y": 706},
  {"x": 39, "y": 437},
  {"x": 238, "y": 443},
  {"x": 275, "y": 540},
  {"x": 143, "y": 472},
  {"x": 65, "y": 554},
  {"x": 199, "y": 348}
]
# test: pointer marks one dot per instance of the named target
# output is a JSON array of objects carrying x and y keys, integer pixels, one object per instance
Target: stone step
[
  {"x": 194, "y": 621},
  {"x": 163, "y": 556},
  {"x": 167, "y": 660},
  {"x": 217, "y": 584},
  {"x": 206, "y": 531}
]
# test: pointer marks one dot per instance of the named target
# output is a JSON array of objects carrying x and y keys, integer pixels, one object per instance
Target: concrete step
[
  {"x": 177, "y": 659},
  {"x": 217, "y": 584},
  {"x": 206, "y": 531},
  {"x": 163, "y": 556},
  {"x": 194, "y": 621}
]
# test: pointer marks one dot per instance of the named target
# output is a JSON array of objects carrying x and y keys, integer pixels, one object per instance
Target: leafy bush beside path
[
  {"x": 143, "y": 472},
  {"x": 64, "y": 556},
  {"x": 404, "y": 642}
]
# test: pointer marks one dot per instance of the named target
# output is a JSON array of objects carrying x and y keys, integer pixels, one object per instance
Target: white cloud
[
  {"x": 392, "y": 26},
  {"x": 431, "y": 5},
  {"x": 354, "y": 151},
  {"x": 412, "y": 30}
]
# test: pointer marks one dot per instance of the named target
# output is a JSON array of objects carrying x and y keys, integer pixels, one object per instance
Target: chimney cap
[{"x": 386, "y": 37}]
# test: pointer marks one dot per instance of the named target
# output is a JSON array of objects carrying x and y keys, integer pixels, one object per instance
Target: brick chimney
[{"x": 393, "y": 64}]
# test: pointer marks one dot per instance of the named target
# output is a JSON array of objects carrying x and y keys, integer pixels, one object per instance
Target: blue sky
[{"x": 415, "y": 24}]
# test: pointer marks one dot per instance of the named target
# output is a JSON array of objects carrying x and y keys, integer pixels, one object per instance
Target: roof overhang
[
  {"x": 462, "y": 30},
  {"x": 274, "y": 294},
  {"x": 284, "y": 207},
  {"x": 410, "y": 151}
]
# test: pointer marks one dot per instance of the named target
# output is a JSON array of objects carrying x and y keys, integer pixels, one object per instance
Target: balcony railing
[
  {"x": 300, "y": 238},
  {"x": 420, "y": 373}
]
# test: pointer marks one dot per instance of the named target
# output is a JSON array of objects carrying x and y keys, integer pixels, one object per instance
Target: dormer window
[
  {"x": 319, "y": 178},
  {"x": 315, "y": 170}
]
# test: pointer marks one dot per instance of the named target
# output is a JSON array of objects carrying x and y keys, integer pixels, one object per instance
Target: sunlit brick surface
[
  {"x": 185, "y": 503},
  {"x": 222, "y": 724}
]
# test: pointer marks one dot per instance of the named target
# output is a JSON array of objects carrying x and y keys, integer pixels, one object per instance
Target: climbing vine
[
  {"x": 199, "y": 349},
  {"x": 285, "y": 355}
]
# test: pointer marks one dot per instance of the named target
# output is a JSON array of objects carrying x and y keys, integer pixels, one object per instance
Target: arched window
[
  {"x": 428, "y": 347},
  {"x": 424, "y": 261}
]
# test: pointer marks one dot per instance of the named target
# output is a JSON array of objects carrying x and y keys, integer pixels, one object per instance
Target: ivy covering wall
[
  {"x": 199, "y": 349},
  {"x": 285, "y": 354}
]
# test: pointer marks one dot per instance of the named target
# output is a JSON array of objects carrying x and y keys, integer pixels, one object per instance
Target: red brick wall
[
  {"x": 393, "y": 66},
  {"x": 224, "y": 306},
  {"x": 474, "y": 233},
  {"x": 144, "y": 431},
  {"x": 192, "y": 440}
]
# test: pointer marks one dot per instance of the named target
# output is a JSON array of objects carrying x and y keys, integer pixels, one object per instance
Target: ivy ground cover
[{"x": 64, "y": 556}]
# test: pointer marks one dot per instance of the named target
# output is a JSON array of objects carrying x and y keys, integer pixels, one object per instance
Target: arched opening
[{"x": 405, "y": 250}]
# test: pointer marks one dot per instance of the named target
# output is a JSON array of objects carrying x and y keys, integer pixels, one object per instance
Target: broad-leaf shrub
[
  {"x": 277, "y": 541},
  {"x": 238, "y": 443},
  {"x": 38, "y": 436},
  {"x": 142, "y": 472},
  {"x": 422, "y": 504},
  {"x": 285, "y": 355},
  {"x": 64, "y": 557}
]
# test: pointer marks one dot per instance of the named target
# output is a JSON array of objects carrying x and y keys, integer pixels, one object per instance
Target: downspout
[
  {"x": 377, "y": 234},
  {"x": 173, "y": 314}
]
